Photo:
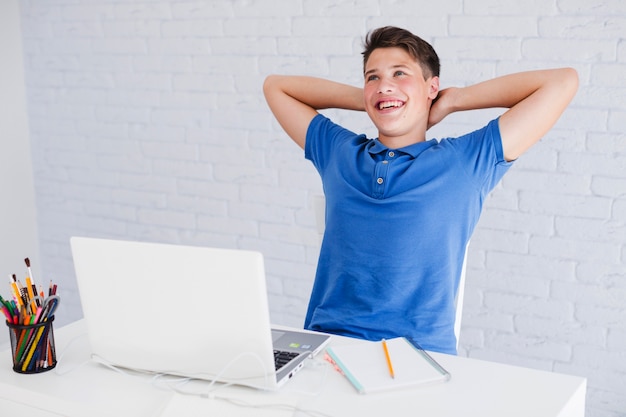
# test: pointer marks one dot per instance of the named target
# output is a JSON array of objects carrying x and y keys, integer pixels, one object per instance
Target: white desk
[{"x": 79, "y": 387}]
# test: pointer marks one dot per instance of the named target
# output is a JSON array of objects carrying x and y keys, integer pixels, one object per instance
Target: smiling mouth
[{"x": 383, "y": 105}]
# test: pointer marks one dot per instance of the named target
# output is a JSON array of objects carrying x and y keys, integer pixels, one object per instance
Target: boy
[{"x": 400, "y": 209}]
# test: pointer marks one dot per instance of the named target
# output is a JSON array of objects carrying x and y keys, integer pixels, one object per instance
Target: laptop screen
[{"x": 184, "y": 310}]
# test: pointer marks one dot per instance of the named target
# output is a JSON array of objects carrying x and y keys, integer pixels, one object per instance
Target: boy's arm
[
  {"x": 294, "y": 100},
  {"x": 535, "y": 99}
]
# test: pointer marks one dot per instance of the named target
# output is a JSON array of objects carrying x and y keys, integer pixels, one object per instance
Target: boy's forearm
[
  {"x": 505, "y": 91},
  {"x": 319, "y": 93},
  {"x": 535, "y": 100},
  {"x": 294, "y": 100}
]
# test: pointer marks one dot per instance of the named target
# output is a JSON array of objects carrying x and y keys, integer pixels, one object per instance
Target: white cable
[
  {"x": 276, "y": 406},
  {"x": 208, "y": 392},
  {"x": 59, "y": 358},
  {"x": 189, "y": 377},
  {"x": 232, "y": 362},
  {"x": 310, "y": 363}
]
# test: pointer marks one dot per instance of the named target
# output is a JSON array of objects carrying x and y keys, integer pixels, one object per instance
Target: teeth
[{"x": 388, "y": 104}]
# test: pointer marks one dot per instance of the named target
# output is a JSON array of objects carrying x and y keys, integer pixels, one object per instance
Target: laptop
[{"x": 190, "y": 311}]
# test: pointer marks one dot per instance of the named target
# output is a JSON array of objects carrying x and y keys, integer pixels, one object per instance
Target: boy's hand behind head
[{"x": 441, "y": 106}]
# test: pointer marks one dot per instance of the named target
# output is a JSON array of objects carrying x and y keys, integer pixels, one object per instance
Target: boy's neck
[{"x": 401, "y": 142}]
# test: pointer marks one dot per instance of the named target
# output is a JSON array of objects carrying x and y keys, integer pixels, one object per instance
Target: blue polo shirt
[{"x": 397, "y": 225}]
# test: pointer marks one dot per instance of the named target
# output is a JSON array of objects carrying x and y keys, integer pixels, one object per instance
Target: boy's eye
[
  {"x": 372, "y": 77},
  {"x": 398, "y": 73}
]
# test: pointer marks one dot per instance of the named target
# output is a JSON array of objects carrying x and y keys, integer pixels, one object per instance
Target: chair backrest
[
  {"x": 319, "y": 206},
  {"x": 458, "y": 301}
]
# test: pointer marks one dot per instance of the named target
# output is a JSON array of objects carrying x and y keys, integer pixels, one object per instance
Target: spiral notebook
[{"x": 365, "y": 365}]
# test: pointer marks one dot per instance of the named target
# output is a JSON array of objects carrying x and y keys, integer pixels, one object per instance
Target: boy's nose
[{"x": 385, "y": 86}]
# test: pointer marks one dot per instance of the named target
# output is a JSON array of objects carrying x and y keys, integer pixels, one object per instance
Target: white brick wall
[{"x": 147, "y": 122}]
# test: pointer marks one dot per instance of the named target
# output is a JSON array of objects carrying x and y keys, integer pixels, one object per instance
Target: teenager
[{"x": 400, "y": 209}]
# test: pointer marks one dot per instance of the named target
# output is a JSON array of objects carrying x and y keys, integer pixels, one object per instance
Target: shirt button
[
  {"x": 385, "y": 162},
  {"x": 392, "y": 154},
  {"x": 379, "y": 180}
]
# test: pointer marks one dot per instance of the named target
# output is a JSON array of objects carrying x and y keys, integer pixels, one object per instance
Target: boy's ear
[{"x": 434, "y": 88}]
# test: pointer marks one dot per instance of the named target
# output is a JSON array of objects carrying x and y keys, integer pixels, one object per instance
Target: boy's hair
[{"x": 416, "y": 47}]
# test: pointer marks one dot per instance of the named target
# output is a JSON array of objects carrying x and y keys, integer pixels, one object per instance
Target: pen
[{"x": 388, "y": 358}]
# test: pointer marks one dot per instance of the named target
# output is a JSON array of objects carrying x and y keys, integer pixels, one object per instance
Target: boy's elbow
[
  {"x": 271, "y": 87},
  {"x": 572, "y": 75},
  {"x": 267, "y": 83},
  {"x": 570, "y": 78}
]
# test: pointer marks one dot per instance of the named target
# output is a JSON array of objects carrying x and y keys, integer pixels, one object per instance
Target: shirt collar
[{"x": 376, "y": 147}]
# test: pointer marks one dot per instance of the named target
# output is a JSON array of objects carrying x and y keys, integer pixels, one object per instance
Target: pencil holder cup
[{"x": 32, "y": 347}]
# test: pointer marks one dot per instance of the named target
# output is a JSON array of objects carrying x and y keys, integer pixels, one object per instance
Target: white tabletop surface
[{"x": 81, "y": 387}]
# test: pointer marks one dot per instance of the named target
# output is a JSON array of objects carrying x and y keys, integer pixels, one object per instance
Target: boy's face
[{"x": 397, "y": 98}]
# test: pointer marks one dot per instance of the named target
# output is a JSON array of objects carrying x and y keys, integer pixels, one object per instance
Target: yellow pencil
[
  {"x": 32, "y": 349},
  {"x": 389, "y": 365},
  {"x": 31, "y": 295},
  {"x": 16, "y": 291}
]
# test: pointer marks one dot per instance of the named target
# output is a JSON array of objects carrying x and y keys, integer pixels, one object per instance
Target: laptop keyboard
[{"x": 281, "y": 358}]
